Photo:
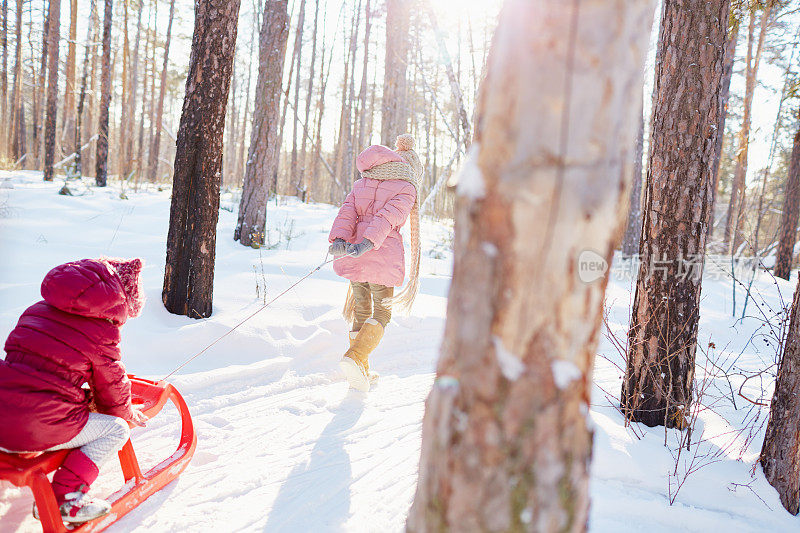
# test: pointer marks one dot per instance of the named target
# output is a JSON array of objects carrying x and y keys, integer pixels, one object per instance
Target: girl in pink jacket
[{"x": 366, "y": 240}]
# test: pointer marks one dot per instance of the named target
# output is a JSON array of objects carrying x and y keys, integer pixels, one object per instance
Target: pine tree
[
  {"x": 68, "y": 126},
  {"x": 101, "y": 159},
  {"x": 152, "y": 165},
  {"x": 262, "y": 157},
  {"x": 633, "y": 227},
  {"x": 192, "y": 237},
  {"x": 734, "y": 217},
  {"x": 789, "y": 214},
  {"x": 82, "y": 96},
  {"x": 17, "y": 126},
  {"x": 394, "y": 118},
  {"x": 54, "y": 23},
  {"x": 4, "y": 80},
  {"x": 687, "y": 102},
  {"x": 780, "y": 454}
]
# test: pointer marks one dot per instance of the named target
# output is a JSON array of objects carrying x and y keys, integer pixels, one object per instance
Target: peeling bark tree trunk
[
  {"x": 790, "y": 214},
  {"x": 152, "y": 163},
  {"x": 657, "y": 389},
  {"x": 101, "y": 159},
  {"x": 193, "y": 215},
  {"x": 633, "y": 228},
  {"x": 780, "y": 454},
  {"x": 54, "y": 18},
  {"x": 505, "y": 442},
  {"x": 394, "y": 116},
  {"x": 262, "y": 157}
]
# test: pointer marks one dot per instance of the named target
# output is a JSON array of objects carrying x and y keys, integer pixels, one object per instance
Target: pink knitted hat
[
  {"x": 376, "y": 155},
  {"x": 129, "y": 271}
]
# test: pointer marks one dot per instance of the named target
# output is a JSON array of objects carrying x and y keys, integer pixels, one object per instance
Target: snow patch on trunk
[
  {"x": 470, "y": 178},
  {"x": 510, "y": 365},
  {"x": 564, "y": 372}
]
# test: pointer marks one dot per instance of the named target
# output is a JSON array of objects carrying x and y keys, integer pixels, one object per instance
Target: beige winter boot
[{"x": 355, "y": 363}]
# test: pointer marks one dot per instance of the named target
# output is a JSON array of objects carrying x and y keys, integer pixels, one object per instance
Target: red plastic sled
[{"x": 150, "y": 397}]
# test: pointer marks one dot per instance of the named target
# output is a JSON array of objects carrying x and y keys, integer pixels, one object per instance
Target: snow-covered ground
[{"x": 285, "y": 446}]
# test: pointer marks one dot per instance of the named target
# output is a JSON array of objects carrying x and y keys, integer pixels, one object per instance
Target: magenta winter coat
[
  {"x": 375, "y": 210},
  {"x": 68, "y": 339}
]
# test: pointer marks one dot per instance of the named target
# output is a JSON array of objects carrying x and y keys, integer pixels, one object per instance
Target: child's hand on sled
[
  {"x": 338, "y": 248},
  {"x": 357, "y": 250},
  {"x": 139, "y": 418}
]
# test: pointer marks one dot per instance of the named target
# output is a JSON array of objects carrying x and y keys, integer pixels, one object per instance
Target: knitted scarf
[{"x": 411, "y": 171}]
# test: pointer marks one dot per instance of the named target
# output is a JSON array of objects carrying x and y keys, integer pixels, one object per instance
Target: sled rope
[{"x": 234, "y": 328}]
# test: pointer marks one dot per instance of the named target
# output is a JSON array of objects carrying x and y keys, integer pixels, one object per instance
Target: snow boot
[
  {"x": 371, "y": 374},
  {"x": 355, "y": 363},
  {"x": 70, "y": 484}
]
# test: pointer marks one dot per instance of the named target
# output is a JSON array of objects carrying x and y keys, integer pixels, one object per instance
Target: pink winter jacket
[{"x": 375, "y": 210}]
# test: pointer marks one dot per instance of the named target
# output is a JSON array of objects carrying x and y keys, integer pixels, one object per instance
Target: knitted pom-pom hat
[
  {"x": 128, "y": 271},
  {"x": 376, "y": 155}
]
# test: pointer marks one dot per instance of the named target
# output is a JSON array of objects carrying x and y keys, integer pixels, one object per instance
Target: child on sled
[{"x": 67, "y": 340}]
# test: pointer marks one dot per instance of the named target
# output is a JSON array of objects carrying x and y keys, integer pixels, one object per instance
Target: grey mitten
[
  {"x": 338, "y": 248},
  {"x": 357, "y": 250}
]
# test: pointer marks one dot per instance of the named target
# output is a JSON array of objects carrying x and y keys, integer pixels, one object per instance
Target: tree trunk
[
  {"x": 633, "y": 228},
  {"x": 505, "y": 440},
  {"x": 727, "y": 75},
  {"x": 129, "y": 145},
  {"x": 230, "y": 146},
  {"x": 324, "y": 74},
  {"x": 780, "y": 454},
  {"x": 687, "y": 102},
  {"x": 68, "y": 125},
  {"x": 152, "y": 107},
  {"x": 101, "y": 159},
  {"x": 143, "y": 109},
  {"x": 192, "y": 238},
  {"x": 54, "y": 18},
  {"x": 263, "y": 153},
  {"x": 4, "y": 118},
  {"x": 362, "y": 93},
  {"x": 789, "y": 214},
  {"x": 458, "y": 99},
  {"x": 123, "y": 159},
  {"x": 246, "y": 117},
  {"x": 82, "y": 97},
  {"x": 152, "y": 165},
  {"x": 39, "y": 100},
  {"x": 94, "y": 101},
  {"x": 16, "y": 89},
  {"x": 302, "y": 183},
  {"x": 733, "y": 218},
  {"x": 295, "y": 178},
  {"x": 394, "y": 115}
]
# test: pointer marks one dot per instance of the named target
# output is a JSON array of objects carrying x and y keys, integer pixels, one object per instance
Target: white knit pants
[{"x": 100, "y": 437}]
